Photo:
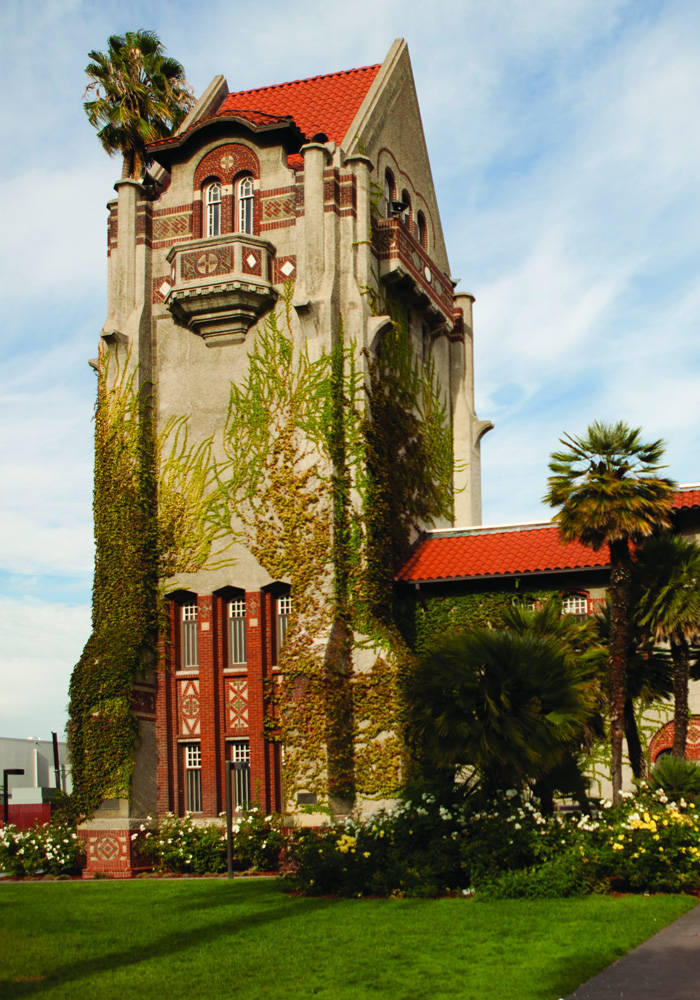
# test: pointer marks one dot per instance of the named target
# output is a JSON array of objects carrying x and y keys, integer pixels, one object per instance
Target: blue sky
[{"x": 566, "y": 157}]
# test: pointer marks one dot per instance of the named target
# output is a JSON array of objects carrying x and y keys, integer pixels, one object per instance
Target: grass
[{"x": 247, "y": 939}]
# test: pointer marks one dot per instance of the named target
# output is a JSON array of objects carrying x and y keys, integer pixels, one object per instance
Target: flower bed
[
  {"x": 177, "y": 844},
  {"x": 47, "y": 849},
  {"x": 504, "y": 848}
]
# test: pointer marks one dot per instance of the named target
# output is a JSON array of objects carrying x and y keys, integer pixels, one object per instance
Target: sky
[{"x": 566, "y": 157}]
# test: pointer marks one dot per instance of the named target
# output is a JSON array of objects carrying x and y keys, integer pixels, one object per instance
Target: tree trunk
[
  {"x": 680, "y": 655},
  {"x": 634, "y": 744},
  {"x": 620, "y": 591}
]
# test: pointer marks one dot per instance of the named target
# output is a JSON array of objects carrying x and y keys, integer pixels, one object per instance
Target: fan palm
[
  {"x": 608, "y": 491},
  {"x": 504, "y": 703},
  {"x": 669, "y": 607},
  {"x": 140, "y": 95}
]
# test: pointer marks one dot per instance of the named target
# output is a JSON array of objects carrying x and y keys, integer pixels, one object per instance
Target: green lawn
[{"x": 248, "y": 940}]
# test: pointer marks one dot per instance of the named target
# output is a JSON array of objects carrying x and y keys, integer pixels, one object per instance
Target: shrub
[
  {"x": 50, "y": 849},
  {"x": 648, "y": 844},
  {"x": 569, "y": 874},
  {"x": 679, "y": 779},
  {"x": 182, "y": 845}
]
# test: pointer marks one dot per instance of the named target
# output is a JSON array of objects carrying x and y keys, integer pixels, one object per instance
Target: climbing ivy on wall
[
  {"x": 102, "y": 728},
  {"x": 154, "y": 506}
]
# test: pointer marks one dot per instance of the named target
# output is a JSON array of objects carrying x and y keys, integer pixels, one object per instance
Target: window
[
  {"x": 575, "y": 604},
  {"x": 245, "y": 205},
  {"x": 190, "y": 655},
  {"x": 236, "y": 615},
  {"x": 284, "y": 609},
  {"x": 240, "y": 755},
  {"x": 193, "y": 777},
  {"x": 213, "y": 202},
  {"x": 406, "y": 214},
  {"x": 389, "y": 192},
  {"x": 422, "y": 231}
]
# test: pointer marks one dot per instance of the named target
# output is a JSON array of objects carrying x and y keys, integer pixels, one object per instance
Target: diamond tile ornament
[
  {"x": 164, "y": 289},
  {"x": 287, "y": 268},
  {"x": 428, "y": 274},
  {"x": 250, "y": 260}
]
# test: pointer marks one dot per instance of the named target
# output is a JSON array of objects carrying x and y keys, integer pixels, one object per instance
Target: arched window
[
  {"x": 244, "y": 205},
  {"x": 422, "y": 231},
  {"x": 389, "y": 192},
  {"x": 213, "y": 203},
  {"x": 406, "y": 214}
]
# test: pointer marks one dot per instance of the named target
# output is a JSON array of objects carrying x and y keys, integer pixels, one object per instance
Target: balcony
[
  {"x": 403, "y": 260},
  {"x": 220, "y": 286}
]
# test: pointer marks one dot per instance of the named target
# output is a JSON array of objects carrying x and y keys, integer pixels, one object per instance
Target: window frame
[
  {"x": 213, "y": 208},
  {"x": 192, "y": 776},
  {"x": 245, "y": 205},
  {"x": 237, "y": 624},
  {"x": 189, "y": 636}
]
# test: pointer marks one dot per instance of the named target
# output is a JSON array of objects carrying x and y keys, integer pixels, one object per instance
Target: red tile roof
[
  {"x": 497, "y": 553},
  {"x": 478, "y": 552},
  {"x": 325, "y": 104},
  {"x": 687, "y": 496}
]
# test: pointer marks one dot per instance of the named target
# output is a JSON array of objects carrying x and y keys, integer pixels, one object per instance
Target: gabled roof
[
  {"x": 472, "y": 553},
  {"x": 325, "y": 104}
]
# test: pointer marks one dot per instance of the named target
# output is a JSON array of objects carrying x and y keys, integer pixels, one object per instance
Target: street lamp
[{"x": 6, "y": 772}]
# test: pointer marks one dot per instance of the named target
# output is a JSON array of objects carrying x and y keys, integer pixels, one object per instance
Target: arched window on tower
[
  {"x": 244, "y": 205},
  {"x": 213, "y": 204},
  {"x": 389, "y": 192},
  {"x": 406, "y": 214},
  {"x": 422, "y": 231}
]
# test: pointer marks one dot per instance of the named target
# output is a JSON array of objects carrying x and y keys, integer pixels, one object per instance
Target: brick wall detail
[
  {"x": 663, "y": 740},
  {"x": 189, "y": 707}
]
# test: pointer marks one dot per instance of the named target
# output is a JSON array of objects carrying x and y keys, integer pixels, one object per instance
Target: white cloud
[{"x": 41, "y": 642}]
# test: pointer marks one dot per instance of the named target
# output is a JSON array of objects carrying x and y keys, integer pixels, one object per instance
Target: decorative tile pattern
[
  {"x": 252, "y": 260},
  {"x": 237, "y": 703},
  {"x": 285, "y": 268},
  {"x": 205, "y": 264},
  {"x": 188, "y": 707},
  {"x": 169, "y": 226}
]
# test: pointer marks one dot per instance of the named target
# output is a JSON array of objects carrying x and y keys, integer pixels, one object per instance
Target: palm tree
[
  {"x": 608, "y": 491},
  {"x": 504, "y": 703},
  {"x": 669, "y": 607},
  {"x": 140, "y": 95}
]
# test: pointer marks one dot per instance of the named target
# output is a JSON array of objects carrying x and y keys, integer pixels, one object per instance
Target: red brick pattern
[
  {"x": 663, "y": 740},
  {"x": 237, "y": 704},
  {"x": 206, "y": 263},
  {"x": 189, "y": 707},
  {"x": 252, "y": 260},
  {"x": 226, "y": 162},
  {"x": 229, "y": 706},
  {"x": 285, "y": 269},
  {"x": 393, "y": 241}
]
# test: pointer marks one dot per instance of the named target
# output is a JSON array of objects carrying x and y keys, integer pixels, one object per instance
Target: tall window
[
  {"x": 213, "y": 200},
  {"x": 240, "y": 755},
  {"x": 236, "y": 614},
  {"x": 406, "y": 214},
  {"x": 422, "y": 231},
  {"x": 245, "y": 205},
  {"x": 284, "y": 609},
  {"x": 190, "y": 653},
  {"x": 389, "y": 192},
  {"x": 193, "y": 777}
]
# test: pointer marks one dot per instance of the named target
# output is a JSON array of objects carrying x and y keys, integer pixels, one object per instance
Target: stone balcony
[
  {"x": 220, "y": 286},
  {"x": 402, "y": 259}
]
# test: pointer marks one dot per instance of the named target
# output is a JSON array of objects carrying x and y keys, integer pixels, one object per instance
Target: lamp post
[{"x": 6, "y": 772}]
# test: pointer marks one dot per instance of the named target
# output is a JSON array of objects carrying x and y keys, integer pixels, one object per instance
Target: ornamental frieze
[{"x": 206, "y": 263}]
